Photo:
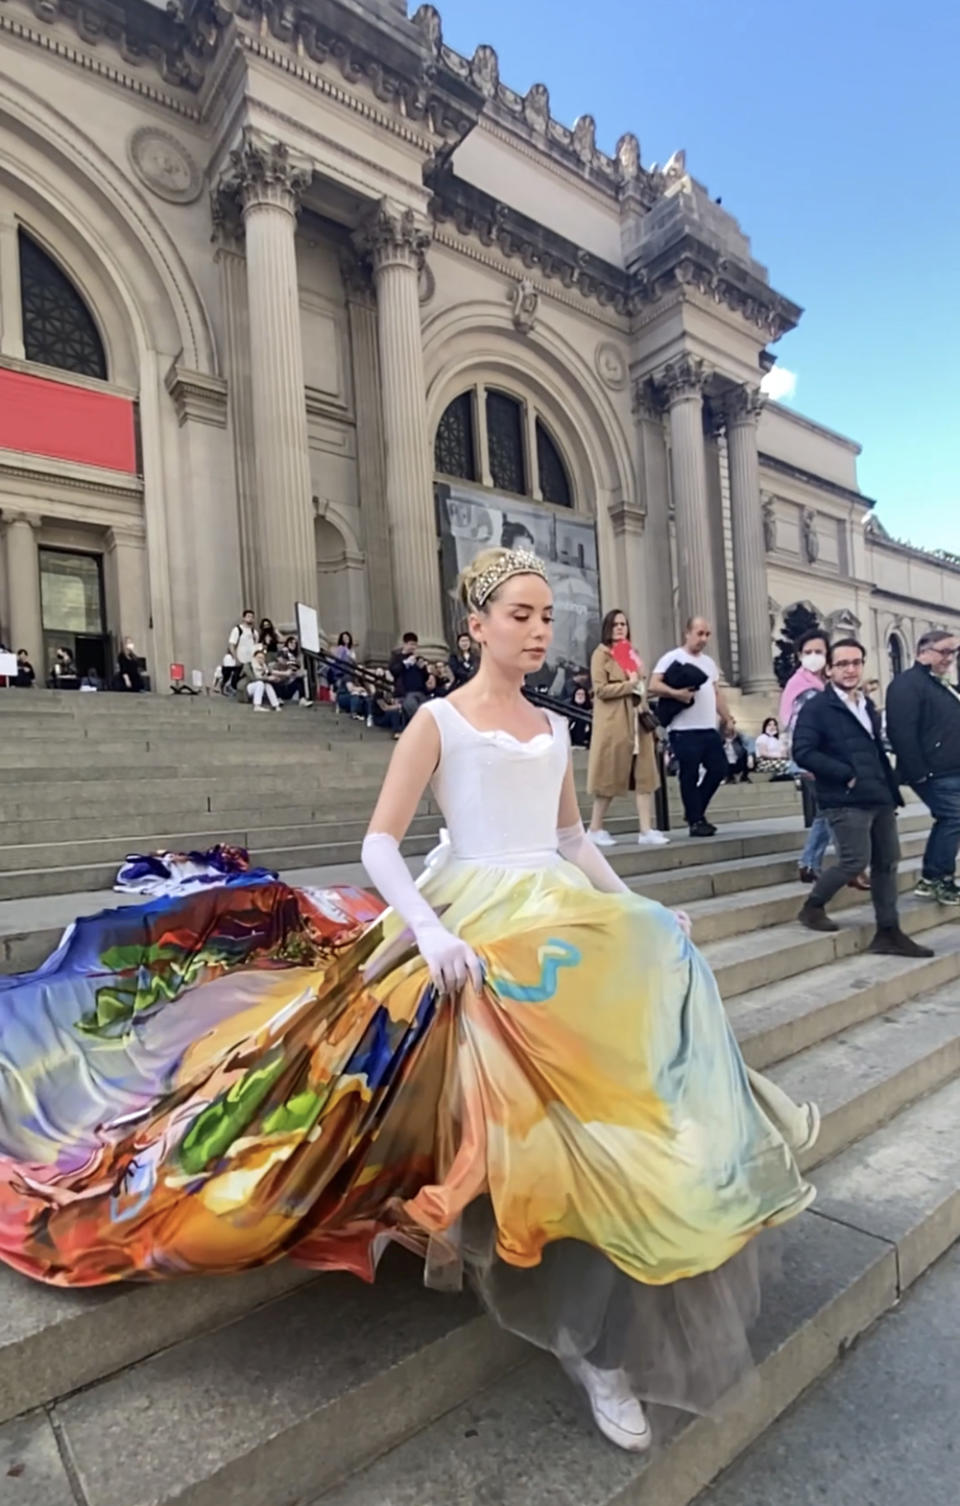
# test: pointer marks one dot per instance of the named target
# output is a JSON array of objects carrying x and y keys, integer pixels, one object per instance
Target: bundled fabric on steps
[{"x": 167, "y": 873}]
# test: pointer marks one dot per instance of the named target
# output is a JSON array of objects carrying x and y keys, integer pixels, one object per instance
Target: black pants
[
  {"x": 693, "y": 751},
  {"x": 739, "y": 769},
  {"x": 863, "y": 835}
]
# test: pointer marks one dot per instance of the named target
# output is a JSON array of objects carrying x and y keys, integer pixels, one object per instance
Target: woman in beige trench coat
[{"x": 622, "y": 753}]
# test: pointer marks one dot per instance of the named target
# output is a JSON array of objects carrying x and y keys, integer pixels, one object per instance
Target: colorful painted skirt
[{"x": 203, "y": 1084}]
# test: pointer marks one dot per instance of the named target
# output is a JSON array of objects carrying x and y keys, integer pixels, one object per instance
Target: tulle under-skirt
[{"x": 205, "y": 1084}]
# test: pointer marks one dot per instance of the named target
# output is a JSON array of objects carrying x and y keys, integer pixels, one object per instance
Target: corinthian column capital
[
  {"x": 262, "y": 171},
  {"x": 684, "y": 378},
  {"x": 393, "y": 236},
  {"x": 741, "y": 405}
]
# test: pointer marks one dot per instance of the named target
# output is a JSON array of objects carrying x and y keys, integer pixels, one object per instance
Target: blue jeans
[
  {"x": 941, "y": 796},
  {"x": 818, "y": 840}
]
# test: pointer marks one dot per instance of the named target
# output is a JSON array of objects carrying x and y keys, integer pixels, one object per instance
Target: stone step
[
  {"x": 867, "y": 1073},
  {"x": 771, "y": 954},
  {"x": 777, "y": 904},
  {"x": 887, "y": 1209},
  {"x": 465, "y": 1413},
  {"x": 778, "y": 1020}
]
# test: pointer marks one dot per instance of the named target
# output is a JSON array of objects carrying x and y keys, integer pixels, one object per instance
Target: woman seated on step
[{"x": 259, "y": 684}]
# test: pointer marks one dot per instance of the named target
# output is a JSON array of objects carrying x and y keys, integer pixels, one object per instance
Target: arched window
[
  {"x": 513, "y": 448},
  {"x": 58, "y": 329},
  {"x": 454, "y": 450},
  {"x": 554, "y": 482},
  {"x": 505, "y": 440},
  {"x": 895, "y": 652}
]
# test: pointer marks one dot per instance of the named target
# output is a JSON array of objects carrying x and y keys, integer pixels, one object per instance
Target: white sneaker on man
[
  {"x": 617, "y": 1412},
  {"x": 602, "y": 839},
  {"x": 652, "y": 839}
]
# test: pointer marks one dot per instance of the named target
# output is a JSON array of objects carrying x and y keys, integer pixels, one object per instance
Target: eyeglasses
[{"x": 848, "y": 663}]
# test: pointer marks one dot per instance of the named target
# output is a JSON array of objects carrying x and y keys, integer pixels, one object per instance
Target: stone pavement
[{"x": 881, "y": 1429}]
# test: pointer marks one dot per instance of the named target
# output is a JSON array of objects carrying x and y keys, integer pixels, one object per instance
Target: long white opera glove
[
  {"x": 449, "y": 960},
  {"x": 574, "y": 845}
]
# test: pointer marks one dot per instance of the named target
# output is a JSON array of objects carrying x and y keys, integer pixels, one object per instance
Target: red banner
[{"x": 46, "y": 417}]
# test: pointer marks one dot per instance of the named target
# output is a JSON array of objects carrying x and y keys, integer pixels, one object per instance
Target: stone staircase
[{"x": 280, "y": 1386}]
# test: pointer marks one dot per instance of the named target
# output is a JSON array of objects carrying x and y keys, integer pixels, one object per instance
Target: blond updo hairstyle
[{"x": 471, "y": 574}]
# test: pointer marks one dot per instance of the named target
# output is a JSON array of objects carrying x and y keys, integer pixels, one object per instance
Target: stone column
[
  {"x": 684, "y": 381},
  {"x": 11, "y": 310},
  {"x": 656, "y": 630},
  {"x": 237, "y": 368},
  {"x": 741, "y": 409},
  {"x": 396, "y": 244},
  {"x": 365, "y": 353},
  {"x": 268, "y": 181},
  {"x": 23, "y": 586}
]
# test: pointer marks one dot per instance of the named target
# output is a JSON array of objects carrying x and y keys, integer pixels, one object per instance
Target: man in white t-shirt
[
  {"x": 241, "y": 646},
  {"x": 694, "y": 737}
]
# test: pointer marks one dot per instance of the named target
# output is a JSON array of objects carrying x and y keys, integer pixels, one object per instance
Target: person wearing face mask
[{"x": 805, "y": 682}]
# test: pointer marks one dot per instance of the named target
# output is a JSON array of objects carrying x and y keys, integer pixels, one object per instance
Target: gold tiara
[{"x": 511, "y": 562}]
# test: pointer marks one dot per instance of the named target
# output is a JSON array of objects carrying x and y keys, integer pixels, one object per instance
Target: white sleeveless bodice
[{"x": 499, "y": 796}]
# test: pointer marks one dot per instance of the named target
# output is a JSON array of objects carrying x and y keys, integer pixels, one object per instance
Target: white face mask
[{"x": 814, "y": 662}]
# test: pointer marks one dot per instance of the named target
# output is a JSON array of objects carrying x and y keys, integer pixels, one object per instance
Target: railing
[{"x": 581, "y": 714}]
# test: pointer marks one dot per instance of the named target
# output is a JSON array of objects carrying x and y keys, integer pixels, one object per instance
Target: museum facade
[{"x": 299, "y": 304}]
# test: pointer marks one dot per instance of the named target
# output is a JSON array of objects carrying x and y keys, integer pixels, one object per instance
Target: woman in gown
[{"x": 520, "y": 1068}]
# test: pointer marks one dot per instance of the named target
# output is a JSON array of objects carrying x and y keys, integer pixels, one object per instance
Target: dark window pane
[
  {"x": 505, "y": 441},
  {"x": 453, "y": 450},
  {"x": 57, "y": 327},
  {"x": 554, "y": 482},
  {"x": 71, "y": 592}
]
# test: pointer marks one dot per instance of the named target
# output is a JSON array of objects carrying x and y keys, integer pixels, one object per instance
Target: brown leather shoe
[
  {"x": 815, "y": 918},
  {"x": 890, "y": 941},
  {"x": 862, "y": 882}
]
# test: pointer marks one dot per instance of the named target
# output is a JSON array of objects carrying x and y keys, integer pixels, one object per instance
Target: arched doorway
[{"x": 341, "y": 591}]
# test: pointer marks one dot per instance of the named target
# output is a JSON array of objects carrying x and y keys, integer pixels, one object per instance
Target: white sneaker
[
  {"x": 617, "y": 1412},
  {"x": 652, "y": 839},
  {"x": 602, "y": 839}
]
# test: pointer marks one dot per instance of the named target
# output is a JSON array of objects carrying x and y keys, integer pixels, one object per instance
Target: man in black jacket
[
  {"x": 923, "y": 725},
  {"x": 838, "y": 740},
  {"x": 409, "y": 673}
]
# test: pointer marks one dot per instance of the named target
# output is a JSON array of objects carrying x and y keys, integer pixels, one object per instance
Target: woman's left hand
[{"x": 684, "y": 921}]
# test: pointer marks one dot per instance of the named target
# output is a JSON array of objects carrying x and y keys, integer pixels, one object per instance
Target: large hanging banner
[{"x": 470, "y": 521}]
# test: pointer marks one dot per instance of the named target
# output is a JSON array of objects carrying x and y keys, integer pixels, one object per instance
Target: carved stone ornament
[
  {"x": 742, "y": 405},
  {"x": 585, "y": 139},
  {"x": 526, "y": 301},
  {"x": 628, "y": 157},
  {"x": 427, "y": 284},
  {"x": 769, "y": 525},
  {"x": 392, "y": 235},
  {"x": 260, "y": 171},
  {"x": 428, "y": 22},
  {"x": 610, "y": 365},
  {"x": 811, "y": 539},
  {"x": 685, "y": 377},
  {"x": 536, "y": 108},
  {"x": 485, "y": 70},
  {"x": 164, "y": 165}
]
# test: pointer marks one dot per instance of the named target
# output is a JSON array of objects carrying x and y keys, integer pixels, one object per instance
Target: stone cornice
[
  {"x": 475, "y": 213},
  {"x": 810, "y": 478},
  {"x": 690, "y": 264},
  {"x": 51, "y": 474},
  {"x": 496, "y": 262}
]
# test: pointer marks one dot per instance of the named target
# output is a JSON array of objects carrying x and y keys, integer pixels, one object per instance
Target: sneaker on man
[
  {"x": 703, "y": 829},
  {"x": 926, "y": 888},
  {"x": 948, "y": 893},
  {"x": 602, "y": 839}
]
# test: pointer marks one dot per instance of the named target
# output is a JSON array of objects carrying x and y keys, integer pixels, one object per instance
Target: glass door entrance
[{"x": 71, "y": 597}]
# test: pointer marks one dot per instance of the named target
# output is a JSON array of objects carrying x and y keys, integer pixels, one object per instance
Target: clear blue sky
[{"x": 831, "y": 128}]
